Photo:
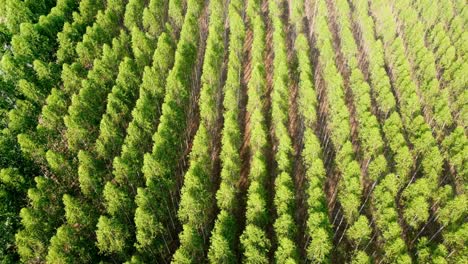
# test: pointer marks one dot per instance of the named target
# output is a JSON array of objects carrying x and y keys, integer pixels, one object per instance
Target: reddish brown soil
[{"x": 245, "y": 150}]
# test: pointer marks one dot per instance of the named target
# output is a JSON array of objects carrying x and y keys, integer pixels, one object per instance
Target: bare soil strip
[{"x": 296, "y": 130}]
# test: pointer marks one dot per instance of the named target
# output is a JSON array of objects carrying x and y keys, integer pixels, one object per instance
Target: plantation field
[{"x": 233, "y": 131}]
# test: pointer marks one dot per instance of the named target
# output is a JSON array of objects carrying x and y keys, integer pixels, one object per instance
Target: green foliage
[
  {"x": 393, "y": 130},
  {"x": 434, "y": 100},
  {"x": 416, "y": 196},
  {"x": 61, "y": 167},
  {"x": 145, "y": 115},
  {"x": 197, "y": 196},
  {"x": 152, "y": 224},
  {"x": 175, "y": 13},
  {"x": 142, "y": 47},
  {"x": 67, "y": 238},
  {"x": 307, "y": 98},
  {"x": 77, "y": 232},
  {"x": 192, "y": 243},
  {"x": 360, "y": 231},
  {"x": 50, "y": 129},
  {"x": 455, "y": 147},
  {"x": 256, "y": 245},
  {"x": 119, "y": 102},
  {"x": 119, "y": 193},
  {"x": 452, "y": 213},
  {"x": 360, "y": 257},
  {"x": 254, "y": 242},
  {"x": 12, "y": 185},
  {"x": 112, "y": 235},
  {"x": 153, "y": 17},
  {"x": 73, "y": 32},
  {"x": 284, "y": 198},
  {"x": 37, "y": 41},
  {"x": 318, "y": 225},
  {"x": 99, "y": 101},
  {"x": 371, "y": 141},
  {"x": 134, "y": 13},
  {"x": 39, "y": 219},
  {"x": 17, "y": 12},
  {"x": 113, "y": 231},
  {"x": 90, "y": 174},
  {"x": 349, "y": 188},
  {"x": 223, "y": 237},
  {"x": 416, "y": 211},
  {"x": 386, "y": 216},
  {"x": 26, "y": 66},
  {"x": 431, "y": 253},
  {"x": 105, "y": 28},
  {"x": 225, "y": 231},
  {"x": 86, "y": 107},
  {"x": 73, "y": 242}
]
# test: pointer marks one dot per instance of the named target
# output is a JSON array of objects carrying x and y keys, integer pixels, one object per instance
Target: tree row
[
  {"x": 197, "y": 200},
  {"x": 350, "y": 189},
  {"x": 155, "y": 215},
  {"x": 383, "y": 204},
  {"x": 224, "y": 236},
  {"x": 255, "y": 241}
]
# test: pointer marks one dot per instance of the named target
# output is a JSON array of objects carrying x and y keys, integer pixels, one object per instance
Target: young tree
[
  {"x": 73, "y": 243},
  {"x": 434, "y": 101},
  {"x": 256, "y": 245},
  {"x": 12, "y": 186},
  {"x": 134, "y": 13},
  {"x": 105, "y": 28},
  {"x": 28, "y": 66},
  {"x": 154, "y": 16},
  {"x": 86, "y": 107},
  {"x": 51, "y": 128},
  {"x": 386, "y": 216},
  {"x": 119, "y": 104},
  {"x": 73, "y": 32},
  {"x": 38, "y": 220},
  {"x": 176, "y": 13}
]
